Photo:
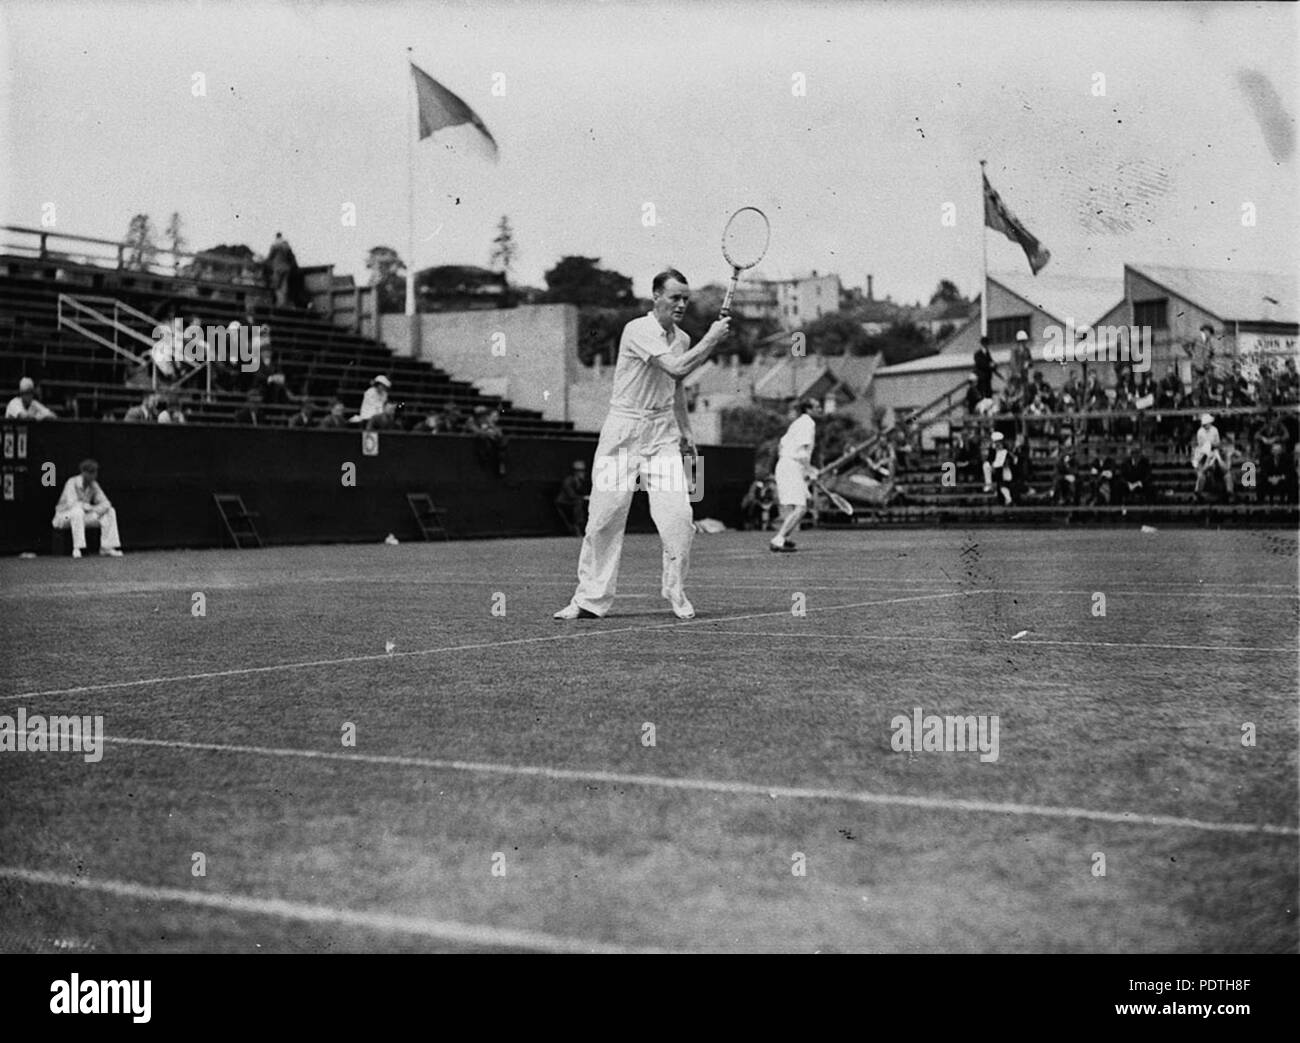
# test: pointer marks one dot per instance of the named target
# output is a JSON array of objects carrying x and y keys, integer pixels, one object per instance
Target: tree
[
  {"x": 175, "y": 240},
  {"x": 836, "y": 334},
  {"x": 229, "y": 263},
  {"x": 580, "y": 281},
  {"x": 388, "y": 276},
  {"x": 139, "y": 243},
  {"x": 902, "y": 342},
  {"x": 947, "y": 292},
  {"x": 504, "y": 250}
]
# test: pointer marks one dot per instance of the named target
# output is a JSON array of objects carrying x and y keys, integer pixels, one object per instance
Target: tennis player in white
[
  {"x": 793, "y": 466},
  {"x": 643, "y": 439}
]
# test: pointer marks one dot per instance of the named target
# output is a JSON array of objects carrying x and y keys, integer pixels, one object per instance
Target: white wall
[{"x": 531, "y": 352}]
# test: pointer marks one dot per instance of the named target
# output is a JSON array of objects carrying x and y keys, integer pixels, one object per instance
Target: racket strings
[{"x": 745, "y": 239}]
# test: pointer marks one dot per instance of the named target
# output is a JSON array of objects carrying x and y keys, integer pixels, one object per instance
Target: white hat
[
  {"x": 1206, "y": 418},
  {"x": 998, "y": 436},
  {"x": 381, "y": 379},
  {"x": 1021, "y": 335},
  {"x": 26, "y": 384}
]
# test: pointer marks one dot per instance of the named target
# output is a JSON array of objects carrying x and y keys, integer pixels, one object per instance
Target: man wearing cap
[
  {"x": 24, "y": 405},
  {"x": 575, "y": 491},
  {"x": 1021, "y": 357},
  {"x": 84, "y": 504},
  {"x": 642, "y": 442},
  {"x": 372, "y": 402},
  {"x": 998, "y": 465},
  {"x": 792, "y": 468},
  {"x": 1205, "y": 454}
]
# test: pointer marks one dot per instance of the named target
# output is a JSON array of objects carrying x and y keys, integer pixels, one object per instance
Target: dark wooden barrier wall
[{"x": 161, "y": 478}]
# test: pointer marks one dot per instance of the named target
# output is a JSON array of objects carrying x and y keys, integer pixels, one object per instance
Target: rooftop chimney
[{"x": 871, "y": 289}]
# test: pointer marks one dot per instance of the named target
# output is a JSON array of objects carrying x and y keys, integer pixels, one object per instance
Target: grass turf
[{"x": 1140, "y": 710}]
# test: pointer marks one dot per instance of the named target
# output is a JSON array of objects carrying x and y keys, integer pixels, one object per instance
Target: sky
[{"x": 1121, "y": 132}]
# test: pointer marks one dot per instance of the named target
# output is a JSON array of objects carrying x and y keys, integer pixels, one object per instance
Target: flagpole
[
  {"x": 984, "y": 252},
  {"x": 411, "y": 131}
]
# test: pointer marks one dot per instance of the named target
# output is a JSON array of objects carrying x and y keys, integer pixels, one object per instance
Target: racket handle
[{"x": 731, "y": 290}]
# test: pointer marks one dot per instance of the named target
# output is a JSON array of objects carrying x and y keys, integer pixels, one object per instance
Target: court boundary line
[
  {"x": 941, "y": 638},
  {"x": 729, "y": 787},
  {"x": 589, "y": 630},
  {"x": 389, "y": 923}
]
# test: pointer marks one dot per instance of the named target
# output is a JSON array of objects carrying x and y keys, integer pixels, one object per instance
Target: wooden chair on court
[
  {"x": 428, "y": 516},
  {"x": 240, "y": 522}
]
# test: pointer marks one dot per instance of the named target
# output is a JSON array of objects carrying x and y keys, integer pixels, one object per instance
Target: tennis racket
[
  {"x": 842, "y": 505},
  {"x": 744, "y": 242}
]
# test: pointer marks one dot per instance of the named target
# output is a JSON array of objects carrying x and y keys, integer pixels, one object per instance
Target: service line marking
[{"x": 722, "y": 786}]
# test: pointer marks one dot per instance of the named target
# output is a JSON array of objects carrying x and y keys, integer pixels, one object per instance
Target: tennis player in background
[
  {"x": 793, "y": 467},
  {"x": 642, "y": 440}
]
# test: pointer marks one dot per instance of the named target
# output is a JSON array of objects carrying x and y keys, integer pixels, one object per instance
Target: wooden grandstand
[{"x": 87, "y": 378}]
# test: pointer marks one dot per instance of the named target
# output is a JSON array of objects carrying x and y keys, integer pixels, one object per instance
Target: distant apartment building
[{"x": 790, "y": 303}]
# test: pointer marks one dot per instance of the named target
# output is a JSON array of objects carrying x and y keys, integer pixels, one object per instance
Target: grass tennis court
[{"x": 514, "y": 743}]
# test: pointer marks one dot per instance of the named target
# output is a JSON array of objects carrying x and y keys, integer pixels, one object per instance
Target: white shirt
[
  {"x": 1207, "y": 440},
  {"x": 638, "y": 382},
  {"x": 372, "y": 402},
  {"x": 17, "y": 411},
  {"x": 75, "y": 496},
  {"x": 797, "y": 442}
]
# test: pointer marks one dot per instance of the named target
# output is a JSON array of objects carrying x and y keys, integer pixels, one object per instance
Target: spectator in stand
[
  {"x": 1094, "y": 400},
  {"x": 1277, "y": 478},
  {"x": 490, "y": 440},
  {"x": 169, "y": 411},
  {"x": 1043, "y": 391},
  {"x": 83, "y": 505},
  {"x": 1206, "y": 458},
  {"x": 984, "y": 369},
  {"x": 1207, "y": 440},
  {"x": 969, "y": 455},
  {"x": 1022, "y": 359},
  {"x": 1134, "y": 483},
  {"x": 251, "y": 411},
  {"x": 1101, "y": 475},
  {"x": 280, "y": 268},
  {"x": 1037, "y": 409},
  {"x": 998, "y": 468},
  {"x": 972, "y": 400},
  {"x": 303, "y": 418},
  {"x": 453, "y": 421},
  {"x": 372, "y": 402},
  {"x": 1072, "y": 389},
  {"x": 144, "y": 413},
  {"x": 1065, "y": 474},
  {"x": 1273, "y": 433},
  {"x": 275, "y": 391},
  {"x": 385, "y": 419},
  {"x": 1288, "y": 382},
  {"x": 337, "y": 417},
  {"x": 24, "y": 406},
  {"x": 1230, "y": 460},
  {"x": 1123, "y": 426},
  {"x": 574, "y": 495}
]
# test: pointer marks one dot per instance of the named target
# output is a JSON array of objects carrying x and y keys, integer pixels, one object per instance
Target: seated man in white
[{"x": 83, "y": 504}]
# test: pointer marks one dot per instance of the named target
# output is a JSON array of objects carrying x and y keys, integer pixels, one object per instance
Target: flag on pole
[
  {"x": 439, "y": 108},
  {"x": 998, "y": 217}
]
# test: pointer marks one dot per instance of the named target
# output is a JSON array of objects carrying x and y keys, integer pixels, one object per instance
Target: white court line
[
  {"x": 974, "y": 639},
  {"x": 728, "y": 787},
  {"x": 393, "y": 923},
  {"x": 590, "y": 629}
]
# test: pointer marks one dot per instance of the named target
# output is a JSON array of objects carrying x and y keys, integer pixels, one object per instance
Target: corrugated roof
[
  {"x": 939, "y": 363},
  {"x": 1232, "y": 296},
  {"x": 1080, "y": 298}
]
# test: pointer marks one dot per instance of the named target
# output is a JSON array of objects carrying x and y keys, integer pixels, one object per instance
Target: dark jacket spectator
[
  {"x": 337, "y": 417},
  {"x": 984, "y": 369},
  {"x": 304, "y": 417},
  {"x": 251, "y": 412},
  {"x": 1277, "y": 478},
  {"x": 1134, "y": 482}
]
